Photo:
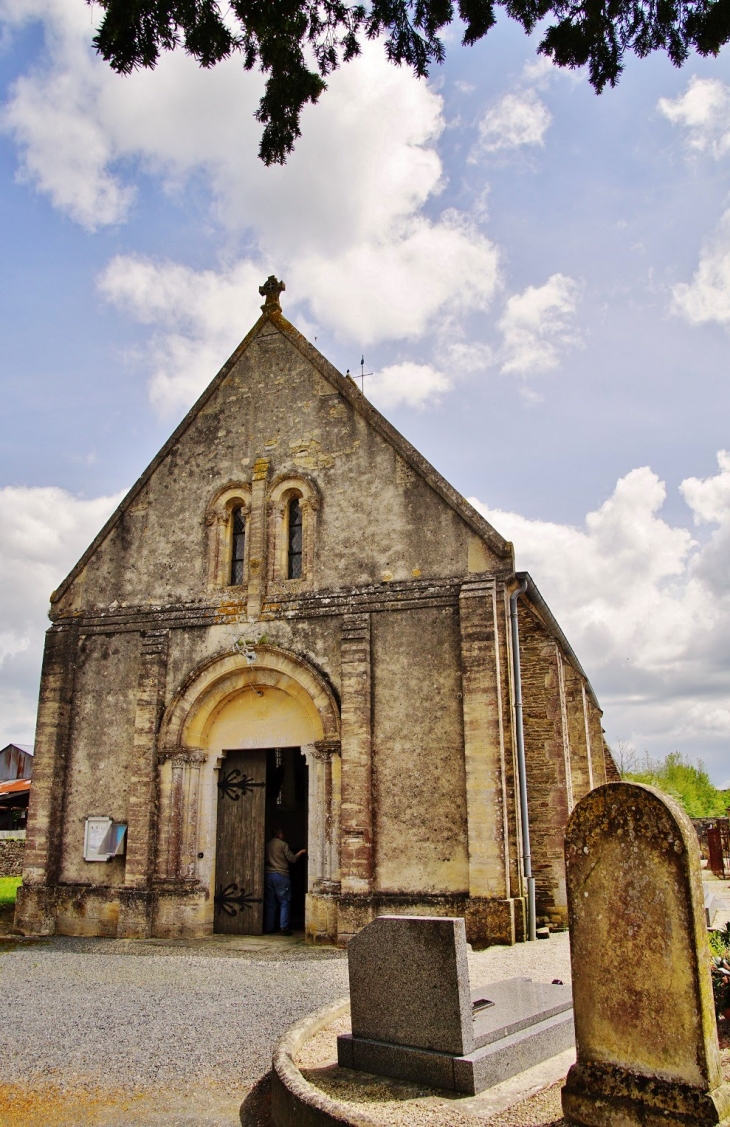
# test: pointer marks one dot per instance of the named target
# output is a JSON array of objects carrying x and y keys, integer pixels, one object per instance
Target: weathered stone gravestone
[
  {"x": 646, "y": 1036},
  {"x": 414, "y": 1016}
]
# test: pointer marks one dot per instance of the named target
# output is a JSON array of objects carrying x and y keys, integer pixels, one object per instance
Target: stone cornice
[{"x": 411, "y": 594}]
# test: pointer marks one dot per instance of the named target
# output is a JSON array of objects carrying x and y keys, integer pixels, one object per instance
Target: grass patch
[{"x": 8, "y": 889}]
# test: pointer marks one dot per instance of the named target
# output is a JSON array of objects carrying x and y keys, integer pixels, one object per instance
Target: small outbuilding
[
  {"x": 16, "y": 762},
  {"x": 14, "y": 804}
]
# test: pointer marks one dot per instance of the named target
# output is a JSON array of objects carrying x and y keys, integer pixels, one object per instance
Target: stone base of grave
[
  {"x": 601, "y": 1096},
  {"x": 521, "y": 1024},
  {"x": 315, "y": 1092}
]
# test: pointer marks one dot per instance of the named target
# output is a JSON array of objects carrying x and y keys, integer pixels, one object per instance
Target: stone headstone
[
  {"x": 409, "y": 983},
  {"x": 415, "y": 1018},
  {"x": 646, "y": 1036}
]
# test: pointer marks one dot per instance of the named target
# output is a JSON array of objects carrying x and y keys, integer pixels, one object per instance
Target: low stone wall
[{"x": 12, "y": 852}]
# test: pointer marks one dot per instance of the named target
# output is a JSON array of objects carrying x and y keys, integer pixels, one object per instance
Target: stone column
[
  {"x": 329, "y": 823},
  {"x": 484, "y": 759},
  {"x": 135, "y": 908},
  {"x": 589, "y": 752},
  {"x": 257, "y": 540},
  {"x": 34, "y": 911},
  {"x": 310, "y": 507},
  {"x": 565, "y": 729},
  {"x": 356, "y": 806},
  {"x": 324, "y": 825},
  {"x": 179, "y": 811}
]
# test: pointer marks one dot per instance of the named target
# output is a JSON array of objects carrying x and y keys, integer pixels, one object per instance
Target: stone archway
[{"x": 279, "y": 699}]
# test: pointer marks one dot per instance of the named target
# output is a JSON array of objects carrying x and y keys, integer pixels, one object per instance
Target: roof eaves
[{"x": 552, "y": 625}]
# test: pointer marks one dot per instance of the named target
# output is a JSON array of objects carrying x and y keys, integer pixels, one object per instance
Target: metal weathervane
[{"x": 363, "y": 374}]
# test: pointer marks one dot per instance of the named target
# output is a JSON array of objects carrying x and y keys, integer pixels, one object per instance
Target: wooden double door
[{"x": 257, "y": 791}]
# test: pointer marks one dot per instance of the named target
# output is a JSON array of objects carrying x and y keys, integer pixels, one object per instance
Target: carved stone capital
[
  {"x": 182, "y": 755},
  {"x": 326, "y": 749}
]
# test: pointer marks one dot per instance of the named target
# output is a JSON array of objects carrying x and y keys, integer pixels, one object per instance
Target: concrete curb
[{"x": 294, "y": 1101}]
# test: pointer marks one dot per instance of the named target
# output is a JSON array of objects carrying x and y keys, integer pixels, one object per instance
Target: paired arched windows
[{"x": 283, "y": 535}]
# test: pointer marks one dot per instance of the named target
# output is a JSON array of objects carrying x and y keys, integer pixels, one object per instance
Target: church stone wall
[
  {"x": 101, "y": 736},
  {"x": 564, "y": 749},
  {"x": 418, "y": 765}
]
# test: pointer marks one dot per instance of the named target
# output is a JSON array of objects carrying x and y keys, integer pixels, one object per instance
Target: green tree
[
  {"x": 690, "y": 785},
  {"x": 297, "y": 43}
]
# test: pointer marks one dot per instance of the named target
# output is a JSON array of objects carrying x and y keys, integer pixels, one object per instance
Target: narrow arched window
[
  {"x": 294, "y": 570},
  {"x": 238, "y": 544}
]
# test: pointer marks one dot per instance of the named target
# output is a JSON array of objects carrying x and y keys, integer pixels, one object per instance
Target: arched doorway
[
  {"x": 258, "y": 734},
  {"x": 245, "y": 747}
]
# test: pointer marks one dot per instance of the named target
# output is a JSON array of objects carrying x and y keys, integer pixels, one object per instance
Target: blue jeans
[{"x": 277, "y": 890}]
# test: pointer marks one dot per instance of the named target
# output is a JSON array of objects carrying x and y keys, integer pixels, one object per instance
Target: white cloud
[
  {"x": 704, "y": 112},
  {"x": 415, "y": 385},
  {"x": 353, "y": 242},
  {"x": 537, "y": 325},
  {"x": 707, "y": 297},
  {"x": 516, "y": 120},
  {"x": 197, "y": 316},
  {"x": 646, "y": 607},
  {"x": 464, "y": 357},
  {"x": 43, "y": 531},
  {"x": 388, "y": 287},
  {"x": 376, "y": 292},
  {"x": 709, "y": 498}
]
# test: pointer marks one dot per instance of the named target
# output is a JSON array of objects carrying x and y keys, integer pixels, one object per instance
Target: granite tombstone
[{"x": 415, "y": 1016}]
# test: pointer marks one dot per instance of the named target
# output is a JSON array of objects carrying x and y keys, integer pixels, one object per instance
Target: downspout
[{"x": 521, "y": 769}]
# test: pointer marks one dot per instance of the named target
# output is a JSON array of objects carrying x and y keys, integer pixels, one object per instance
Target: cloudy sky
[{"x": 538, "y": 277}]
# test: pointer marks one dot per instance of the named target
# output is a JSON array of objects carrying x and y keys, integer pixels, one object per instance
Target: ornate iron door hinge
[
  {"x": 226, "y": 899},
  {"x": 235, "y": 783}
]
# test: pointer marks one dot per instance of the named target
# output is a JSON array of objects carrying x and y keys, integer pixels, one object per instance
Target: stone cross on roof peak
[{"x": 270, "y": 292}]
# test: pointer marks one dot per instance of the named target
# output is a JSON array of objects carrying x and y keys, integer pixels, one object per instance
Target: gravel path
[
  {"x": 130, "y": 1034},
  {"x": 82, "y": 1029}
]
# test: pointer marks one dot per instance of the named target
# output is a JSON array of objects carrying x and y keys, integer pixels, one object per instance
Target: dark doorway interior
[
  {"x": 287, "y": 795},
  {"x": 258, "y": 791}
]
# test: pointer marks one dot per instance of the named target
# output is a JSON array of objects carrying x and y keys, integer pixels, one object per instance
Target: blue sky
[{"x": 538, "y": 277}]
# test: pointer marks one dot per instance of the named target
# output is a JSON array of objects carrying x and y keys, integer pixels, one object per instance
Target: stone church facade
[{"x": 293, "y": 620}]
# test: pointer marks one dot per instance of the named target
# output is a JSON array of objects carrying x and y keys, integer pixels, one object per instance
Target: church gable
[{"x": 280, "y": 423}]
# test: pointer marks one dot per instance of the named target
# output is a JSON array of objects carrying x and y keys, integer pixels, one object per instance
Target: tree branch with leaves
[{"x": 298, "y": 43}]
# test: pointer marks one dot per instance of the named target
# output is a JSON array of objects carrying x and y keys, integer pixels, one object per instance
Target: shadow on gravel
[{"x": 256, "y": 1108}]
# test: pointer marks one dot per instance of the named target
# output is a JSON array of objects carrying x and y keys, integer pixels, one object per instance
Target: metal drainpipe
[{"x": 521, "y": 769}]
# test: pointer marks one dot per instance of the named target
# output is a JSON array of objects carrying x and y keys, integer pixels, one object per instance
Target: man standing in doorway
[{"x": 278, "y": 883}]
